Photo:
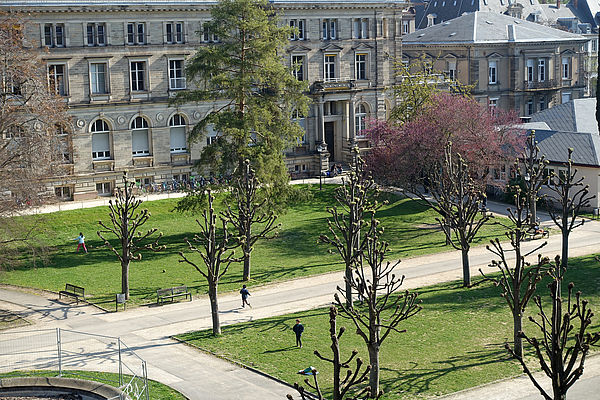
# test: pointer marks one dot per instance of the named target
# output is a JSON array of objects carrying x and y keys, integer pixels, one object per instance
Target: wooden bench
[
  {"x": 163, "y": 295},
  {"x": 73, "y": 291},
  {"x": 535, "y": 232}
]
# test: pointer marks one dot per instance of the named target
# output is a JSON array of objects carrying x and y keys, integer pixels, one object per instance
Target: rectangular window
[
  {"x": 541, "y": 70},
  {"x": 405, "y": 27},
  {"x": 452, "y": 70},
  {"x": 530, "y": 70},
  {"x": 542, "y": 104},
  {"x": 103, "y": 188},
  {"x": 529, "y": 107},
  {"x": 298, "y": 29},
  {"x": 298, "y": 67},
  {"x": 361, "y": 28},
  {"x": 594, "y": 45},
  {"x": 138, "y": 76},
  {"x": 329, "y": 64},
  {"x": 56, "y": 79},
  {"x": 96, "y": 34},
  {"x": 136, "y": 33},
  {"x": 207, "y": 36},
  {"x": 63, "y": 192},
  {"x": 492, "y": 73},
  {"x": 176, "y": 74},
  {"x": 360, "y": 65},
  {"x": 174, "y": 32},
  {"x": 565, "y": 97},
  {"x": 566, "y": 68},
  {"x": 329, "y": 29},
  {"x": 98, "y": 78},
  {"x": 54, "y": 35},
  {"x": 492, "y": 106}
]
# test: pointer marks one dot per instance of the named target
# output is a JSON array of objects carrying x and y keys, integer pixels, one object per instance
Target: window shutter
[
  {"x": 178, "y": 141},
  {"x": 139, "y": 141},
  {"x": 100, "y": 142}
]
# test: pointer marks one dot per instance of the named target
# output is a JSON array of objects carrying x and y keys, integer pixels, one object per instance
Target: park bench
[
  {"x": 163, "y": 295},
  {"x": 73, "y": 291},
  {"x": 535, "y": 232}
]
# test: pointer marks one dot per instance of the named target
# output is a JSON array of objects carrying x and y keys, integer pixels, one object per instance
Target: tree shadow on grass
[{"x": 418, "y": 379}]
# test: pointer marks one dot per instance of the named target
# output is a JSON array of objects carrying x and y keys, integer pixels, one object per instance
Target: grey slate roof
[
  {"x": 554, "y": 145},
  {"x": 575, "y": 116},
  {"x": 48, "y": 3},
  {"x": 488, "y": 27}
]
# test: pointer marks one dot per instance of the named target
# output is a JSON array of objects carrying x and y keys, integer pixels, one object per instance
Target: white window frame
[
  {"x": 207, "y": 36},
  {"x": 138, "y": 34},
  {"x": 360, "y": 119},
  {"x": 98, "y": 39},
  {"x": 529, "y": 107},
  {"x": 566, "y": 68},
  {"x": 105, "y": 188},
  {"x": 330, "y": 67},
  {"x": 530, "y": 70},
  {"x": 92, "y": 74},
  {"x": 541, "y": 72},
  {"x": 176, "y": 82},
  {"x": 101, "y": 154},
  {"x": 211, "y": 134},
  {"x": 300, "y": 73},
  {"x": 177, "y": 36},
  {"x": 493, "y": 105},
  {"x": 329, "y": 29},
  {"x": 405, "y": 27},
  {"x": 493, "y": 72},
  {"x": 54, "y": 87},
  {"x": 360, "y": 28},
  {"x": 144, "y": 75},
  {"x": 177, "y": 121},
  {"x": 300, "y": 25},
  {"x": 55, "y": 39},
  {"x": 140, "y": 125},
  {"x": 452, "y": 70},
  {"x": 361, "y": 66}
]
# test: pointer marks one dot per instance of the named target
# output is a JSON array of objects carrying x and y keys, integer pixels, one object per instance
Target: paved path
[{"x": 199, "y": 376}]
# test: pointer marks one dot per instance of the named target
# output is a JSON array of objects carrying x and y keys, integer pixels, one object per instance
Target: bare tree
[
  {"x": 248, "y": 214},
  {"x": 457, "y": 198},
  {"x": 342, "y": 385},
  {"x": 533, "y": 174},
  {"x": 385, "y": 308},
  {"x": 34, "y": 136},
  {"x": 517, "y": 281},
  {"x": 568, "y": 198},
  {"x": 355, "y": 200},
  {"x": 126, "y": 221},
  {"x": 216, "y": 251},
  {"x": 561, "y": 358}
]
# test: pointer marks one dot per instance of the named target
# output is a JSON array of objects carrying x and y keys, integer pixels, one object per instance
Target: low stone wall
[{"x": 37, "y": 385}]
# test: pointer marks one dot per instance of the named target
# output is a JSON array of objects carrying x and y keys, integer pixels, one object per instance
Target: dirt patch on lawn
[{"x": 10, "y": 320}]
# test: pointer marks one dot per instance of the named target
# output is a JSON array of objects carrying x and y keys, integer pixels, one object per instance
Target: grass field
[
  {"x": 410, "y": 228},
  {"x": 158, "y": 391},
  {"x": 455, "y": 342}
]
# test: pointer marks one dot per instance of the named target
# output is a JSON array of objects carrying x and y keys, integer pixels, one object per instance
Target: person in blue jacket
[
  {"x": 245, "y": 294},
  {"x": 298, "y": 329}
]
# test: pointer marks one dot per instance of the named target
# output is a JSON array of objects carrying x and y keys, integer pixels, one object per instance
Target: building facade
[
  {"x": 118, "y": 65},
  {"x": 511, "y": 63}
]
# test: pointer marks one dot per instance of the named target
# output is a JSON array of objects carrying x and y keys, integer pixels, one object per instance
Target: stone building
[
  {"x": 117, "y": 64},
  {"x": 511, "y": 63}
]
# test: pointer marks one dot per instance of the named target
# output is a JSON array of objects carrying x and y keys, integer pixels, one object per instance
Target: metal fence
[{"x": 75, "y": 353}]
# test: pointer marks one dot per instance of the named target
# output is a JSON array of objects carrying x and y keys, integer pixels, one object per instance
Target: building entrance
[{"x": 330, "y": 138}]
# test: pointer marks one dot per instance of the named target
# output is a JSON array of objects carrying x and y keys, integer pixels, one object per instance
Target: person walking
[
  {"x": 80, "y": 242},
  {"x": 298, "y": 329},
  {"x": 245, "y": 293}
]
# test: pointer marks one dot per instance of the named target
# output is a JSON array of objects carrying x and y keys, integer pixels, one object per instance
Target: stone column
[{"x": 320, "y": 122}]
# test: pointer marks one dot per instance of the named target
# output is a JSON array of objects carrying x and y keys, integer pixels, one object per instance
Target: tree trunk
[
  {"x": 517, "y": 327},
  {"x": 466, "y": 269},
  {"x": 214, "y": 309},
  {"x": 349, "y": 303},
  {"x": 125, "y": 278},
  {"x": 246, "y": 265},
  {"x": 565, "y": 249},
  {"x": 374, "y": 373},
  {"x": 533, "y": 210}
]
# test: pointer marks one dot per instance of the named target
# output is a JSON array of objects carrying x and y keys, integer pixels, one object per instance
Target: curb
[{"x": 242, "y": 365}]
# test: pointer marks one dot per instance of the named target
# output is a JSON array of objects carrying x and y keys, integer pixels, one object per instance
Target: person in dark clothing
[
  {"x": 298, "y": 329},
  {"x": 245, "y": 293}
]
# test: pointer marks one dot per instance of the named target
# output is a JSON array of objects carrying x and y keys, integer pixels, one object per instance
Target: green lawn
[
  {"x": 158, "y": 391},
  {"x": 455, "y": 342},
  {"x": 409, "y": 227}
]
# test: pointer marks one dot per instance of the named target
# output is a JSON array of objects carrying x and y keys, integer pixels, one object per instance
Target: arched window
[
  {"x": 360, "y": 119},
  {"x": 139, "y": 137},
  {"x": 100, "y": 140},
  {"x": 178, "y": 139}
]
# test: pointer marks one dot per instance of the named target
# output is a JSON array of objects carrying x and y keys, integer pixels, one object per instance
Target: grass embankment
[
  {"x": 410, "y": 228},
  {"x": 158, "y": 391},
  {"x": 455, "y": 342}
]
